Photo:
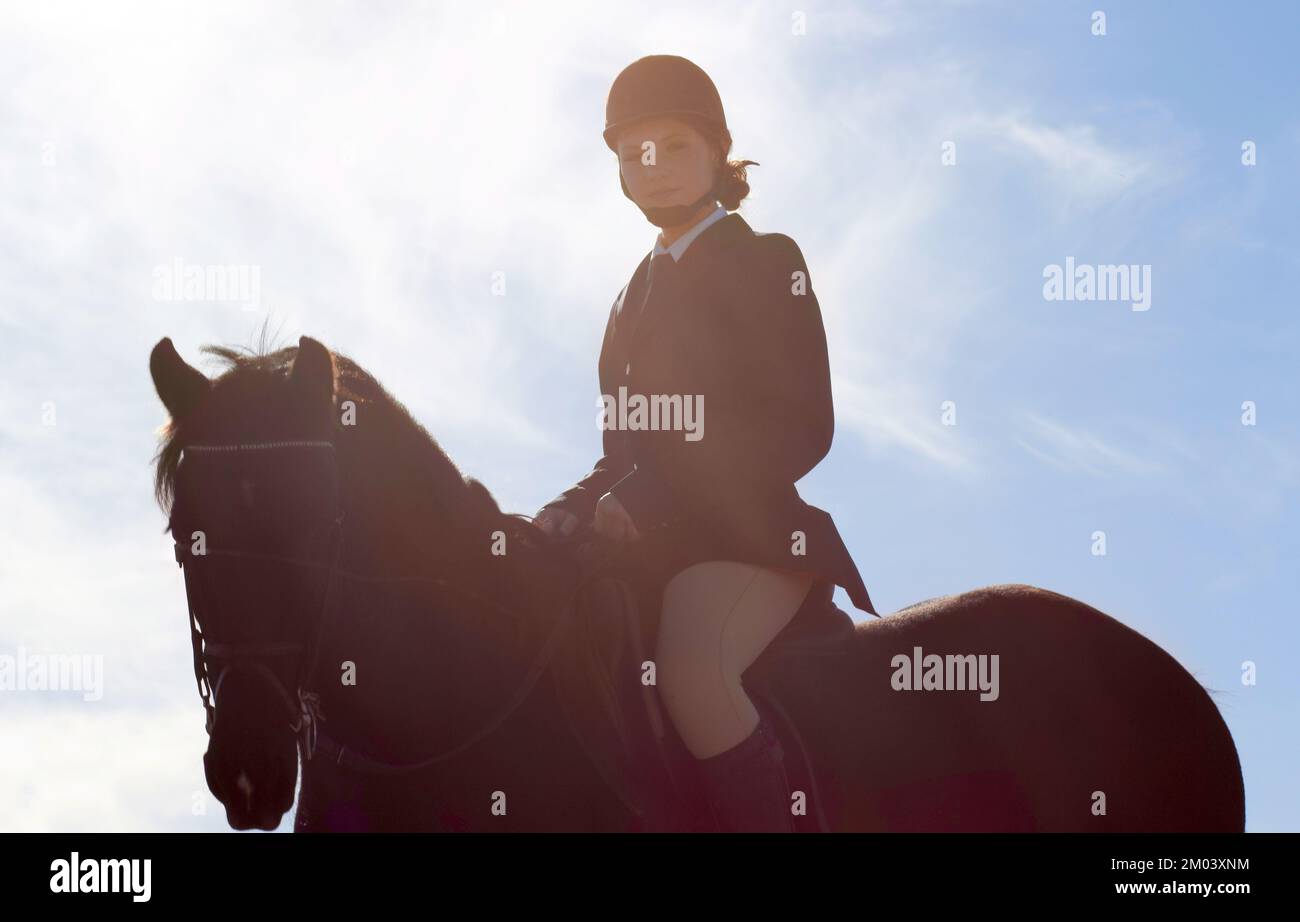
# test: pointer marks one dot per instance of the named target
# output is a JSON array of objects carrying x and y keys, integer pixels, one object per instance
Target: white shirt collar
[{"x": 681, "y": 243}]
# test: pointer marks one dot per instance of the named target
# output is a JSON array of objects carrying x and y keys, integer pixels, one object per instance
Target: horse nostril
[{"x": 246, "y": 788}]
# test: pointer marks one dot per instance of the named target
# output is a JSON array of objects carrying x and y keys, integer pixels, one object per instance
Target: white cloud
[
  {"x": 1074, "y": 450},
  {"x": 1073, "y": 152},
  {"x": 86, "y": 769}
]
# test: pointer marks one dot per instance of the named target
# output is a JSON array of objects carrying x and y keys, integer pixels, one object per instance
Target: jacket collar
[
  {"x": 715, "y": 239},
  {"x": 679, "y": 245}
]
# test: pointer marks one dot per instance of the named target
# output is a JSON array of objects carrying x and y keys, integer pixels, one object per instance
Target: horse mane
[{"x": 358, "y": 385}]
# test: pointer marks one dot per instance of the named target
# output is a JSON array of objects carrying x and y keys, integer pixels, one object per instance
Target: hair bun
[{"x": 734, "y": 184}]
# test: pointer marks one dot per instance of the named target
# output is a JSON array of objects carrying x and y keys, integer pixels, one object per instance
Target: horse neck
[
  {"x": 404, "y": 524},
  {"x": 408, "y": 510}
]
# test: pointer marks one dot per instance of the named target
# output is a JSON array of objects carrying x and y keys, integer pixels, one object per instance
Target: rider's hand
[
  {"x": 612, "y": 520},
  {"x": 554, "y": 521}
]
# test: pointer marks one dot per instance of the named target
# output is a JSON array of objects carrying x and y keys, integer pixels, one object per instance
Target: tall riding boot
[{"x": 747, "y": 786}]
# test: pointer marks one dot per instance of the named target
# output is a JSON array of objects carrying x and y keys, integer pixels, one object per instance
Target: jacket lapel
[{"x": 701, "y": 256}]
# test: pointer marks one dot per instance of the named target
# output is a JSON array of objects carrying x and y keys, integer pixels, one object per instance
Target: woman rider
[{"x": 724, "y": 316}]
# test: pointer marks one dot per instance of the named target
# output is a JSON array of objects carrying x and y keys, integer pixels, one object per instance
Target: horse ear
[
  {"x": 313, "y": 371},
  {"x": 179, "y": 385}
]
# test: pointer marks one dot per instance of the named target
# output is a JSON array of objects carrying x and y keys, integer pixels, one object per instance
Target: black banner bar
[{"x": 247, "y": 870}]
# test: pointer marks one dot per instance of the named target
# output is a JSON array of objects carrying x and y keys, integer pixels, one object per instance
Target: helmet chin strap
[{"x": 673, "y": 215}]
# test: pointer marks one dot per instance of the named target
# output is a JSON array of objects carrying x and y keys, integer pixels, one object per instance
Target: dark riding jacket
[{"x": 733, "y": 325}]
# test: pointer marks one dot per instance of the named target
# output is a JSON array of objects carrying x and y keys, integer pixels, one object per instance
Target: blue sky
[{"x": 379, "y": 166}]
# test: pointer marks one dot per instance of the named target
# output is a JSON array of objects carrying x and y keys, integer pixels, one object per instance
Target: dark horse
[{"x": 354, "y": 595}]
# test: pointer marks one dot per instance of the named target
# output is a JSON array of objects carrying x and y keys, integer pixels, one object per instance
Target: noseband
[{"x": 302, "y": 704}]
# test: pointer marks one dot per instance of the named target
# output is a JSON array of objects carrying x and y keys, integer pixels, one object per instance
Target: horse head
[
  {"x": 321, "y": 527},
  {"x": 248, "y": 468}
]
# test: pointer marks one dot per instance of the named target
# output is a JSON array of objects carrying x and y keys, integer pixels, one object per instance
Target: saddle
[{"x": 598, "y": 671}]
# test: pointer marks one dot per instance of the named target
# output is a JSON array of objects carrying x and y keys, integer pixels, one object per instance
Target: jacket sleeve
[
  {"x": 614, "y": 463},
  {"x": 768, "y": 418}
]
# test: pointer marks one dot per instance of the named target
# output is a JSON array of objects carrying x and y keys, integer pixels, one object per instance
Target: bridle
[{"x": 302, "y": 703}]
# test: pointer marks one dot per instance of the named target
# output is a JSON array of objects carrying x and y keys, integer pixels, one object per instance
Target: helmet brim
[{"x": 612, "y": 132}]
